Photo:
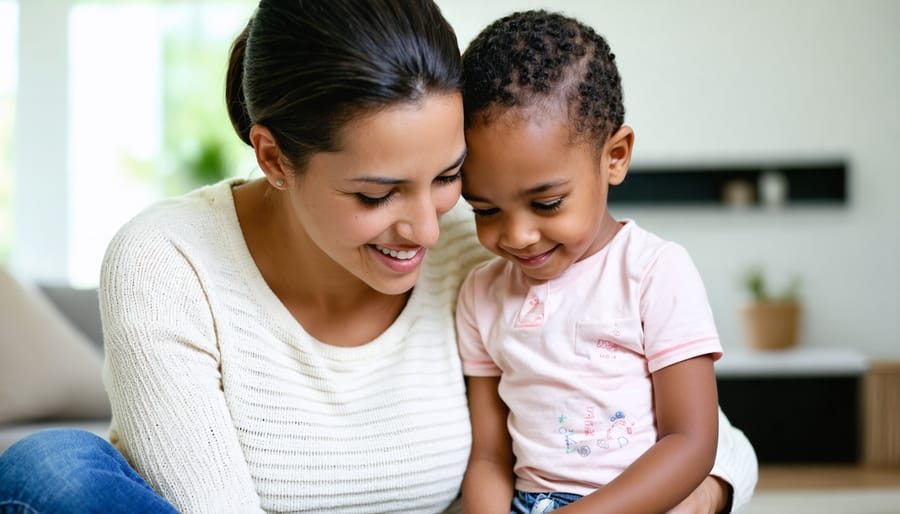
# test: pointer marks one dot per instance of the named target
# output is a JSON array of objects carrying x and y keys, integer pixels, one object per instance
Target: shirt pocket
[{"x": 614, "y": 346}]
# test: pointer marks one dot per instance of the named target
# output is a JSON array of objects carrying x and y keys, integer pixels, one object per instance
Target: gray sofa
[{"x": 80, "y": 309}]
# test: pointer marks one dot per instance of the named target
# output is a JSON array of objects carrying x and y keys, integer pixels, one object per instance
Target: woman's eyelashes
[
  {"x": 375, "y": 201},
  {"x": 449, "y": 179}
]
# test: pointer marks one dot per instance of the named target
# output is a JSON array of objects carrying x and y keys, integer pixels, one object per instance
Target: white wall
[
  {"x": 709, "y": 81},
  {"x": 705, "y": 81},
  {"x": 41, "y": 193}
]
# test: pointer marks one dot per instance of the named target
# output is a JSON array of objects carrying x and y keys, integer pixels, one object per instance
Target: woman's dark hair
[
  {"x": 529, "y": 58},
  {"x": 305, "y": 68}
]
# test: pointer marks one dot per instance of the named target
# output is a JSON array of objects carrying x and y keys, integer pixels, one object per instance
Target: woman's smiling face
[{"x": 372, "y": 207}]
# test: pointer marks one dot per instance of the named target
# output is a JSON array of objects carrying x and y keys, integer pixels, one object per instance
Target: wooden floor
[{"x": 780, "y": 478}]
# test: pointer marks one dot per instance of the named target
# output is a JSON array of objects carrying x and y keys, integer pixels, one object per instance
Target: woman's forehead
[{"x": 403, "y": 139}]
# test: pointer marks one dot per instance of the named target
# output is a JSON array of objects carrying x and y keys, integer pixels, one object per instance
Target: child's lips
[{"x": 534, "y": 260}]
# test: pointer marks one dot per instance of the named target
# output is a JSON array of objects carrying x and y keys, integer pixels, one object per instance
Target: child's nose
[{"x": 519, "y": 233}]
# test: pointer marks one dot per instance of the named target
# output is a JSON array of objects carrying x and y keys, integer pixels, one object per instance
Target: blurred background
[{"x": 109, "y": 105}]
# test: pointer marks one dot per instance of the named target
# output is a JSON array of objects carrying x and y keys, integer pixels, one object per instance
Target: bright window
[
  {"x": 9, "y": 17},
  {"x": 147, "y": 113}
]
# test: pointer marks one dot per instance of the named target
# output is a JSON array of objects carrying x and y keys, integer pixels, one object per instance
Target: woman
[{"x": 287, "y": 343}]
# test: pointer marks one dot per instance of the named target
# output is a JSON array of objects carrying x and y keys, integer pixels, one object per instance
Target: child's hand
[{"x": 709, "y": 497}]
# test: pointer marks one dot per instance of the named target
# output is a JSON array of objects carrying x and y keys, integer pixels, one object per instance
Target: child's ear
[{"x": 618, "y": 154}]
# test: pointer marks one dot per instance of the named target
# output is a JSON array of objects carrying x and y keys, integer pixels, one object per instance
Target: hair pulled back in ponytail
[
  {"x": 304, "y": 68},
  {"x": 234, "y": 87}
]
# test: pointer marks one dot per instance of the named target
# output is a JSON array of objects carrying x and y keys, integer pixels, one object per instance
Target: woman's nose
[{"x": 420, "y": 223}]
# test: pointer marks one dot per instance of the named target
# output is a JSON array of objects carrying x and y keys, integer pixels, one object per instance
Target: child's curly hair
[{"x": 544, "y": 60}]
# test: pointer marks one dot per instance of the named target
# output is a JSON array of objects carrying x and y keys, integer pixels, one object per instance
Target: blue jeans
[
  {"x": 72, "y": 471},
  {"x": 540, "y": 503}
]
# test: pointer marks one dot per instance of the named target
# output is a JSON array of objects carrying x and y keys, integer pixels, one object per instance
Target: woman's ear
[
  {"x": 269, "y": 156},
  {"x": 617, "y": 153}
]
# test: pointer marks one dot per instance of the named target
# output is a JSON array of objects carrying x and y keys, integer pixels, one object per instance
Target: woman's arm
[
  {"x": 736, "y": 466},
  {"x": 162, "y": 375},
  {"x": 732, "y": 480},
  {"x": 711, "y": 497},
  {"x": 685, "y": 401},
  {"x": 488, "y": 482}
]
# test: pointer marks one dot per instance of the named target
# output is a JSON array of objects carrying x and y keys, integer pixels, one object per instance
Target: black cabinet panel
[{"x": 796, "y": 419}]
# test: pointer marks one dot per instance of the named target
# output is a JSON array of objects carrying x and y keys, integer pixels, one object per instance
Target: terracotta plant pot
[{"x": 771, "y": 325}]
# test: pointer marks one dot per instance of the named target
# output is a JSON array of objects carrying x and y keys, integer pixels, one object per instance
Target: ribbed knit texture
[
  {"x": 736, "y": 464},
  {"x": 225, "y": 404}
]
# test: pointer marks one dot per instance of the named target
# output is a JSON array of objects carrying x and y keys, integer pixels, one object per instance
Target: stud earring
[{"x": 279, "y": 183}]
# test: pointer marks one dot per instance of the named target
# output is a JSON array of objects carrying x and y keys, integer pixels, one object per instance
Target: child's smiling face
[{"x": 539, "y": 195}]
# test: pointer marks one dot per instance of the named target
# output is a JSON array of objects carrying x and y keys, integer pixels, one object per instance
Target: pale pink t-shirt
[{"x": 574, "y": 354}]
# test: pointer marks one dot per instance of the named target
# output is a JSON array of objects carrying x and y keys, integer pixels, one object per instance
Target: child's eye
[
  {"x": 449, "y": 179},
  {"x": 548, "y": 206},
  {"x": 484, "y": 213},
  {"x": 373, "y": 201}
]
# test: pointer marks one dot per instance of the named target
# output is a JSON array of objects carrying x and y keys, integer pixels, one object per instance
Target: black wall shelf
[{"x": 787, "y": 184}]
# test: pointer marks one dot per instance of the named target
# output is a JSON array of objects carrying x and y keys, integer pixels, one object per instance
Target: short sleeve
[
  {"x": 475, "y": 359},
  {"x": 677, "y": 319}
]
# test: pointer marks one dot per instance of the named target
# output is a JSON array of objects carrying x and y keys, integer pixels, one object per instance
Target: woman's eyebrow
[
  {"x": 384, "y": 181},
  {"x": 390, "y": 181}
]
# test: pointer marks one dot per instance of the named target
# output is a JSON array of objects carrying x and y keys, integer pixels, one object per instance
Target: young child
[{"x": 589, "y": 346}]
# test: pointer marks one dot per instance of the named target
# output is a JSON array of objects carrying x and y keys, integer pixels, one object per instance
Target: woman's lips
[{"x": 401, "y": 261}]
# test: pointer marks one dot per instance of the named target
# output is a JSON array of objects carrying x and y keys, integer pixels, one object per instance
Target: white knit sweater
[{"x": 225, "y": 404}]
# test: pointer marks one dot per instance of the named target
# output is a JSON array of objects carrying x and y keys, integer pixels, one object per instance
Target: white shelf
[{"x": 795, "y": 362}]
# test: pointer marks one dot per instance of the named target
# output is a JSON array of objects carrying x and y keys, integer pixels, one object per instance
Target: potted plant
[{"x": 771, "y": 322}]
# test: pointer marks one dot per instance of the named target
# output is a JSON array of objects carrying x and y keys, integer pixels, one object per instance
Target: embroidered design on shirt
[
  {"x": 595, "y": 431},
  {"x": 589, "y": 422},
  {"x": 532, "y": 313},
  {"x": 617, "y": 433},
  {"x": 607, "y": 349},
  {"x": 571, "y": 444}
]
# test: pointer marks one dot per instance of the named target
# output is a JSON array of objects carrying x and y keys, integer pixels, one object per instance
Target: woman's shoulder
[
  {"x": 172, "y": 228},
  {"x": 181, "y": 217},
  {"x": 457, "y": 225},
  {"x": 458, "y": 236},
  {"x": 458, "y": 248}
]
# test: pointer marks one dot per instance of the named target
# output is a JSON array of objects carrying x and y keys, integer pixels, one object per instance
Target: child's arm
[
  {"x": 686, "y": 405},
  {"x": 488, "y": 483}
]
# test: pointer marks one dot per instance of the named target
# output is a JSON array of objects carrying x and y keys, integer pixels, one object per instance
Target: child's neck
[{"x": 608, "y": 229}]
